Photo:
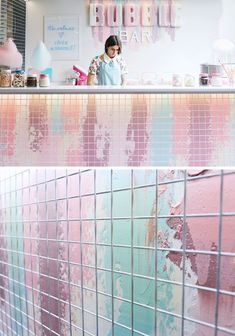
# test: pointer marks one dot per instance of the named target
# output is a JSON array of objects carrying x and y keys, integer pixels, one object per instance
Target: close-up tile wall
[{"x": 117, "y": 252}]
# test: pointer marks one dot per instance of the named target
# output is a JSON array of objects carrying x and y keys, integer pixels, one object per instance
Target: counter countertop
[{"x": 148, "y": 89}]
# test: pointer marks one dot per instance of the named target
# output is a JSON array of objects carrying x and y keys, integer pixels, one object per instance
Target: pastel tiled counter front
[{"x": 131, "y": 126}]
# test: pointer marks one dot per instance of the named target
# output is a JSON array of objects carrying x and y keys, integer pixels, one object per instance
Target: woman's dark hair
[{"x": 113, "y": 40}]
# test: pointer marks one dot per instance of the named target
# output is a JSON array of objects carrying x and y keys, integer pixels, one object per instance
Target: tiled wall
[
  {"x": 117, "y": 130},
  {"x": 117, "y": 252}
]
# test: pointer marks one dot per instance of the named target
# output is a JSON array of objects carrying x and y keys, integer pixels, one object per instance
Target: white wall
[{"x": 203, "y": 21}]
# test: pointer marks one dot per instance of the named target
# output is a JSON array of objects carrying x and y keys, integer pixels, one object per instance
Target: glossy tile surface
[{"x": 117, "y": 130}]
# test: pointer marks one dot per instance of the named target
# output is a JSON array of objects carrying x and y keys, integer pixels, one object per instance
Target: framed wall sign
[{"x": 61, "y": 36}]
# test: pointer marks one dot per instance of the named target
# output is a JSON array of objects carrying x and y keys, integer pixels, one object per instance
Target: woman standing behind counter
[{"x": 109, "y": 68}]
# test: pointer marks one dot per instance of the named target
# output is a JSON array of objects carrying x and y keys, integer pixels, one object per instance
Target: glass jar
[
  {"x": 177, "y": 80},
  {"x": 216, "y": 79},
  {"x": 44, "y": 80},
  {"x": 19, "y": 78},
  {"x": 32, "y": 80},
  {"x": 5, "y": 78},
  {"x": 189, "y": 80},
  {"x": 204, "y": 79},
  {"x": 71, "y": 81}
]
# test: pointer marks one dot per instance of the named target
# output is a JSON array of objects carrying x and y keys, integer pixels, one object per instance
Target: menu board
[{"x": 61, "y": 36}]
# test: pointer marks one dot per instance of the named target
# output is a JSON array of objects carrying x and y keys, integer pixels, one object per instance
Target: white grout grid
[
  {"x": 117, "y": 129},
  {"x": 117, "y": 252}
]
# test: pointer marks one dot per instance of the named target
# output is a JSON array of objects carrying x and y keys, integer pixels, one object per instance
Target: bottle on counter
[
  {"x": 19, "y": 78},
  {"x": 5, "y": 78},
  {"x": 203, "y": 79},
  {"x": 44, "y": 80},
  {"x": 32, "y": 80}
]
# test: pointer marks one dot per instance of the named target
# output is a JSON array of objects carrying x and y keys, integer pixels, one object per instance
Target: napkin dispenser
[{"x": 81, "y": 75}]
